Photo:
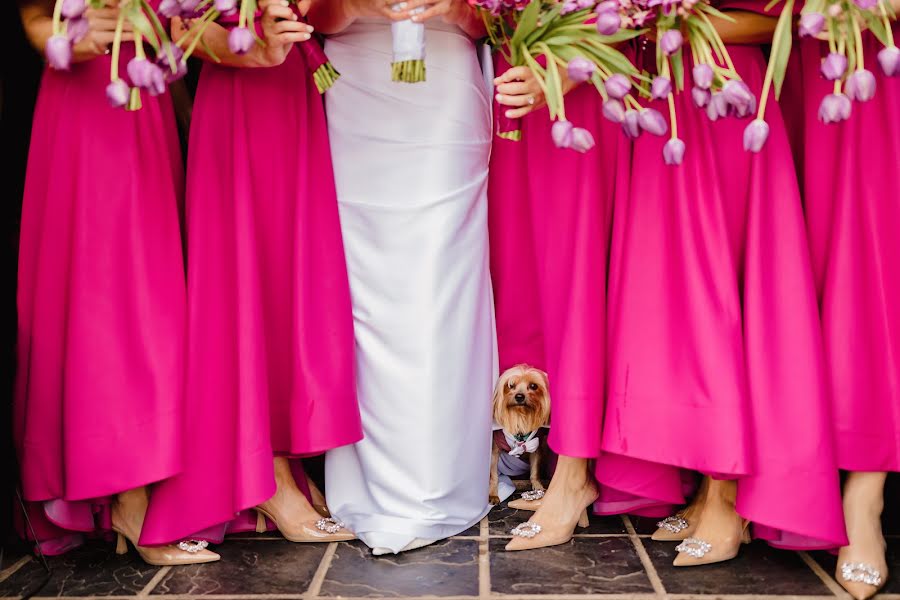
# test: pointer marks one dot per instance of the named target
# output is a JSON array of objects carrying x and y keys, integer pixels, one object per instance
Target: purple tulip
[
  {"x": 652, "y": 121},
  {"x": 170, "y": 8},
  {"x": 582, "y": 140},
  {"x": 240, "y": 40},
  {"x": 671, "y": 41},
  {"x": 755, "y": 135},
  {"x": 631, "y": 124},
  {"x": 226, "y": 7},
  {"x": 718, "y": 107},
  {"x": 618, "y": 86},
  {"x": 163, "y": 61},
  {"x": 811, "y": 24},
  {"x": 614, "y": 110},
  {"x": 701, "y": 97},
  {"x": 72, "y": 9},
  {"x": 660, "y": 88},
  {"x": 569, "y": 6},
  {"x": 889, "y": 59},
  {"x": 834, "y": 65},
  {"x": 861, "y": 85},
  {"x": 866, "y": 4},
  {"x": 59, "y": 52},
  {"x": 703, "y": 76},
  {"x": 607, "y": 6},
  {"x": 673, "y": 152},
  {"x": 739, "y": 96},
  {"x": 835, "y": 108},
  {"x": 562, "y": 134},
  {"x": 580, "y": 69},
  {"x": 137, "y": 72},
  {"x": 608, "y": 22},
  {"x": 76, "y": 29},
  {"x": 584, "y": 4},
  {"x": 117, "y": 93},
  {"x": 189, "y": 7}
]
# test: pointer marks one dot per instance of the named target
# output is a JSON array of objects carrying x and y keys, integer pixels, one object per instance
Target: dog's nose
[{"x": 520, "y": 398}]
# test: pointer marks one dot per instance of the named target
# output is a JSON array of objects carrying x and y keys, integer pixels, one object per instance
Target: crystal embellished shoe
[
  {"x": 694, "y": 551},
  {"x": 682, "y": 524},
  {"x": 530, "y": 530},
  {"x": 187, "y": 552},
  {"x": 530, "y": 500},
  {"x": 320, "y": 530},
  {"x": 861, "y": 580}
]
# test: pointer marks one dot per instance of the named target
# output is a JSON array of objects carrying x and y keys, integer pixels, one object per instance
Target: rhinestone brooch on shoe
[
  {"x": 532, "y": 495},
  {"x": 694, "y": 547},
  {"x": 861, "y": 573},
  {"x": 673, "y": 524},
  {"x": 526, "y": 530},
  {"x": 329, "y": 525},
  {"x": 193, "y": 546}
]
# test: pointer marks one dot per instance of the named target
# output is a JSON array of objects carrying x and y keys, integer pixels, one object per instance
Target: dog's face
[{"x": 522, "y": 400}]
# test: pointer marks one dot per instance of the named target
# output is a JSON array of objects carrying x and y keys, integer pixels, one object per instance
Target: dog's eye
[
  {"x": 533, "y": 387},
  {"x": 512, "y": 384}
]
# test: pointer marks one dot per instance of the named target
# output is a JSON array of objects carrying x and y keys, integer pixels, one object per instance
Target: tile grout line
[
  {"x": 484, "y": 559},
  {"x": 654, "y": 577},
  {"x": 154, "y": 581},
  {"x": 315, "y": 586},
  {"x": 833, "y": 586},
  {"x": 11, "y": 570}
]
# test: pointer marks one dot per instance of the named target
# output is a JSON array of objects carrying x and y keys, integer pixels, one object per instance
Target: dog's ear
[
  {"x": 545, "y": 378},
  {"x": 501, "y": 386}
]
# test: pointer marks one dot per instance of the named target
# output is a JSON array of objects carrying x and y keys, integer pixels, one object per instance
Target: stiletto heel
[
  {"x": 261, "y": 525},
  {"x": 320, "y": 530},
  {"x": 584, "y": 521},
  {"x": 121, "y": 544}
]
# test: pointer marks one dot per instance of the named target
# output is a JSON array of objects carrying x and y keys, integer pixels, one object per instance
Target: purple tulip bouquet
[
  {"x": 150, "y": 70},
  {"x": 548, "y": 36},
  {"x": 718, "y": 88},
  {"x": 841, "y": 23}
]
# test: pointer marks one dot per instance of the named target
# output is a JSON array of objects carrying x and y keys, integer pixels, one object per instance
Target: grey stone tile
[
  {"x": 581, "y": 566},
  {"x": 446, "y": 568},
  {"x": 248, "y": 567}
]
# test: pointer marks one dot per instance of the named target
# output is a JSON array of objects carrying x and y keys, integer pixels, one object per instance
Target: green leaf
[
  {"x": 876, "y": 26},
  {"x": 553, "y": 93},
  {"x": 782, "y": 40},
  {"x": 526, "y": 22}
]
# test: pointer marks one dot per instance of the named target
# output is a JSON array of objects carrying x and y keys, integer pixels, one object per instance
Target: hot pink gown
[
  {"x": 715, "y": 355},
  {"x": 270, "y": 364},
  {"x": 550, "y": 218},
  {"x": 852, "y": 200},
  {"x": 101, "y": 299}
]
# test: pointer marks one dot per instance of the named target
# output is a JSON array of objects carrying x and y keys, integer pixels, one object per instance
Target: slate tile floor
[{"x": 614, "y": 559}]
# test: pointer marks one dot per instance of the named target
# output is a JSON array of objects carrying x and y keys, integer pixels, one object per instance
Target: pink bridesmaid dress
[
  {"x": 270, "y": 364},
  {"x": 101, "y": 299},
  {"x": 852, "y": 200},
  {"x": 550, "y": 219},
  {"x": 715, "y": 355}
]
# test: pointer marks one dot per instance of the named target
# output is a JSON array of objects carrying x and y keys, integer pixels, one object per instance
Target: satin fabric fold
[
  {"x": 411, "y": 170},
  {"x": 270, "y": 338},
  {"x": 852, "y": 203},
  {"x": 716, "y": 361},
  {"x": 101, "y": 296}
]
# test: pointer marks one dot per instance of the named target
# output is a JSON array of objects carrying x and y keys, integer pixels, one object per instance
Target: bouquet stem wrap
[
  {"x": 323, "y": 72},
  {"x": 409, "y": 49}
]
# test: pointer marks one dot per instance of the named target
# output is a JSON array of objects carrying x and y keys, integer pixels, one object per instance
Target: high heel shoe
[
  {"x": 861, "y": 567},
  {"x": 187, "y": 552},
  {"x": 324, "y": 529},
  {"x": 530, "y": 500},
  {"x": 531, "y": 534},
  {"x": 693, "y": 552},
  {"x": 861, "y": 580},
  {"x": 682, "y": 524}
]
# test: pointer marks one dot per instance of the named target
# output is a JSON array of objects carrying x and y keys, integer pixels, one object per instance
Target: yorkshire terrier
[{"x": 521, "y": 408}]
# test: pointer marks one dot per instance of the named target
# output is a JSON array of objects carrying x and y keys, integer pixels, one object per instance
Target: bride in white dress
[{"x": 410, "y": 164}]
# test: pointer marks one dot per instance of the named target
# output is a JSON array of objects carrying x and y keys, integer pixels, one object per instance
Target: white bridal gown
[{"x": 411, "y": 164}]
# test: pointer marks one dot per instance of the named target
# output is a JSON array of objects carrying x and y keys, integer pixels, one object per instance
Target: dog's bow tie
[{"x": 519, "y": 447}]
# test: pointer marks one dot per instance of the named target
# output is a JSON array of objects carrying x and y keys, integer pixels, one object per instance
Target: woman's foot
[
  {"x": 563, "y": 507},
  {"x": 720, "y": 530},
  {"x": 861, "y": 567},
  {"x": 127, "y": 521},
  {"x": 293, "y": 515},
  {"x": 682, "y": 524}
]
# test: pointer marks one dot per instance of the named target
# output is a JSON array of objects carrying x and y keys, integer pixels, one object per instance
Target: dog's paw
[{"x": 494, "y": 499}]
